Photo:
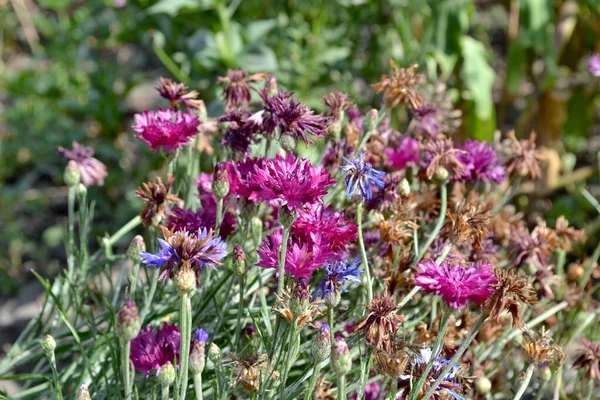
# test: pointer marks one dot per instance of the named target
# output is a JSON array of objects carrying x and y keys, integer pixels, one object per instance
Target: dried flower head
[
  {"x": 439, "y": 154},
  {"x": 589, "y": 359},
  {"x": 382, "y": 323},
  {"x": 541, "y": 351},
  {"x": 92, "y": 172},
  {"x": 323, "y": 390},
  {"x": 568, "y": 234},
  {"x": 165, "y": 129},
  {"x": 468, "y": 222},
  {"x": 511, "y": 290},
  {"x": 400, "y": 87},
  {"x": 427, "y": 122},
  {"x": 237, "y": 87},
  {"x": 178, "y": 93},
  {"x": 251, "y": 371},
  {"x": 337, "y": 103},
  {"x": 524, "y": 157},
  {"x": 157, "y": 198},
  {"x": 284, "y": 305},
  {"x": 535, "y": 248},
  {"x": 391, "y": 363}
]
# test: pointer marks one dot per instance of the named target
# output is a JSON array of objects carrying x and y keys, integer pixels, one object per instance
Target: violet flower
[
  {"x": 336, "y": 274},
  {"x": 91, "y": 170},
  {"x": 480, "y": 162},
  {"x": 407, "y": 152},
  {"x": 315, "y": 219},
  {"x": 165, "y": 129},
  {"x": 594, "y": 64},
  {"x": 360, "y": 175},
  {"x": 153, "y": 348}
]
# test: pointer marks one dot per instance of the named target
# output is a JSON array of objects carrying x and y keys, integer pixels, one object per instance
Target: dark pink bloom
[
  {"x": 204, "y": 183},
  {"x": 594, "y": 64},
  {"x": 291, "y": 117},
  {"x": 205, "y": 217},
  {"x": 457, "y": 285},
  {"x": 481, "y": 163},
  {"x": 301, "y": 258},
  {"x": 242, "y": 130},
  {"x": 288, "y": 181},
  {"x": 166, "y": 129},
  {"x": 153, "y": 348},
  {"x": 372, "y": 391},
  {"x": 318, "y": 221},
  {"x": 91, "y": 170},
  {"x": 427, "y": 121},
  {"x": 407, "y": 152}
]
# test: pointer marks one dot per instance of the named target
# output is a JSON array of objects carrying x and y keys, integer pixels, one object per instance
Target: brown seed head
[
  {"x": 400, "y": 87},
  {"x": 157, "y": 198},
  {"x": 382, "y": 323},
  {"x": 511, "y": 290}
]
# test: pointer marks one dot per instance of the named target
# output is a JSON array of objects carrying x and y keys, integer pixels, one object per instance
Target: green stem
[
  {"x": 125, "y": 350},
  {"x": 219, "y": 218},
  {"x": 57, "y": 392},
  {"x": 364, "y": 374},
  {"x": 198, "y": 386},
  {"x": 330, "y": 322},
  {"x": 313, "y": 381},
  {"x": 454, "y": 360},
  {"x": 394, "y": 389},
  {"x": 341, "y": 387},
  {"x": 282, "y": 259},
  {"x": 133, "y": 283},
  {"x": 165, "y": 392},
  {"x": 438, "y": 225},
  {"x": 185, "y": 318},
  {"x": 437, "y": 347},
  {"x": 294, "y": 346},
  {"x": 525, "y": 382},
  {"x": 83, "y": 235},
  {"x": 133, "y": 223},
  {"x": 363, "y": 252},
  {"x": 148, "y": 299},
  {"x": 71, "y": 233},
  {"x": 238, "y": 328}
]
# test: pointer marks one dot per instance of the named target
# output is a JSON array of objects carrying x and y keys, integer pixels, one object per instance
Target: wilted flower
[
  {"x": 401, "y": 87},
  {"x": 523, "y": 157},
  {"x": 535, "y": 247},
  {"x": 291, "y": 117},
  {"x": 337, "y": 103},
  {"x": 441, "y": 154},
  {"x": 157, "y": 198},
  {"x": 542, "y": 352},
  {"x": 391, "y": 363},
  {"x": 178, "y": 93},
  {"x": 182, "y": 249},
  {"x": 91, "y": 171},
  {"x": 360, "y": 175},
  {"x": 481, "y": 163},
  {"x": 153, "y": 348},
  {"x": 316, "y": 220},
  {"x": 336, "y": 274},
  {"x": 511, "y": 289},
  {"x": 237, "y": 87},
  {"x": 594, "y": 64},
  {"x": 468, "y": 222},
  {"x": 407, "y": 153},
  {"x": 165, "y": 129},
  {"x": 455, "y": 284},
  {"x": 290, "y": 181},
  {"x": 568, "y": 234},
  {"x": 241, "y": 130},
  {"x": 382, "y": 323},
  {"x": 253, "y": 370},
  {"x": 589, "y": 359},
  {"x": 427, "y": 121}
]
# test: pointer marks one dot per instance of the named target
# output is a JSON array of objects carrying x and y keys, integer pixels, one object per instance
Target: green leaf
[
  {"x": 174, "y": 7},
  {"x": 516, "y": 67},
  {"x": 333, "y": 55},
  {"x": 478, "y": 76},
  {"x": 24, "y": 377},
  {"x": 258, "y": 58},
  {"x": 256, "y": 30}
]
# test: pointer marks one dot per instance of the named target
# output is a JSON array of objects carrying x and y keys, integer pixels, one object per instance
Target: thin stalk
[
  {"x": 294, "y": 346},
  {"x": 57, "y": 392},
  {"x": 438, "y": 224},
  {"x": 83, "y": 235},
  {"x": 125, "y": 351},
  {"x": 557, "y": 384},
  {"x": 461, "y": 350},
  {"x": 219, "y": 218},
  {"x": 165, "y": 392},
  {"x": 589, "y": 391},
  {"x": 239, "y": 314},
  {"x": 363, "y": 252},
  {"x": 71, "y": 234},
  {"x": 313, "y": 381},
  {"x": 133, "y": 283},
  {"x": 341, "y": 387},
  {"x": 148, "y": 299},
  {"x": 394, "y": 389},
  {"x": 198, "y": 386},
  {"x": 125, "y": 229},
  {"x": 437, "y": 347},
  {"x": 364, "y": 375},
  {"x": 541, "y": 391},
  {"x": 185, "y": 317},
  {"x": 330, "y": 322},
  {"x": 282, "y": 259},
  {"x": 525, "y": 382}
]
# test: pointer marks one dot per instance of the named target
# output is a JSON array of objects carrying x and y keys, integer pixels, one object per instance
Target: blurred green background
[{"x": 79, "y": 70}]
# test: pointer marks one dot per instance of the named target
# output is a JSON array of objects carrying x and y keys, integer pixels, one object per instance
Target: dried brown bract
[
  {"x": 398, "y": 273},
  {"x": 157, "y": 198},
  {"x": 382, "y": 323},
  {"x": 391, "y": 363},
  {"x": 542, "y": 351},
  {"x": 442, "y": 154},
  {"x": 511, "y": 290},
  {"x": 589, "y": 359},
  {"x": 524, "y": 157},
  {"x": 323, "y": 390},
  {"x": 400, "y": 87},
  {"x": 250, "y": 371},
  {"x": 397, "y": 229},
  {"x": 468, "y": 222},
  {"x": 535, "y": 248},
  {"x": 285, "y": 306},
  {"x": 567, "y": 234},
  {"x": 237, "y": 86},
  {"x": 337, "y": 103}
]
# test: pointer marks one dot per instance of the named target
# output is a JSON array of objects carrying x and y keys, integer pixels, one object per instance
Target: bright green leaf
[{"x": 478, "y": 76}]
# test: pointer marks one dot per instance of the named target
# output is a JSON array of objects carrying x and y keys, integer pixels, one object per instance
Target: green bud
[
  {"x": 442, "y": 174},
  {"x": 286, "y": 216},
  {"x": 128, "y": 321},
  {"x": 530, "y": 268},
  {"x": 257, "y": 229},
  {"x": 214, "y": 354},
  {"x": 48, "y": 346},
  {"x": 321, "y": 345},
  {"x": 197, "y": 358},
  {"x": 184, "y": 280},
  {"x": 287, "y": 142},
  {"x": 136, "y": 246},
  {"x": 82, "y": 190},
  {"x": 333, "y": 299},
  {"x": 341, "y": 360},
  {"x": 220, "y": 183},
  {"x": 300, "y": 299},
  {"x": 166, "y": 376},
  {"x": 72, "y": 176},
  {"x": 483, "y": 385},
  {"x": 83, "y": 393},
  {"x": 404, "y": 188},
  {"x": 370, "y": 120},
  {"x": 546, "y": 374},
  {"x": 239, "y": 261}
]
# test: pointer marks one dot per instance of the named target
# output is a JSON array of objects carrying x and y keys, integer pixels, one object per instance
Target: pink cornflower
[
  {"x": 91, "y": 170},
  {"x": 288, "y": 181},
  {"x": 406, "y": 153},
  {"x": 204, "y": 218},
  {"x": 594, "y": 64},
  {"x": 153, "y": 348},
  {"x": 318, "y": 220},
  {"x": 166, "y": 129},
  {"x": 455, "y": 284}
]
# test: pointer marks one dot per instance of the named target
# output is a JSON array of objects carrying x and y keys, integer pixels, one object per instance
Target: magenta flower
[
  {"x": 242, "y": 130},
  {"x": 204, "y": 218},
  {"x": 301, "y": 258},
  {"x": 480, "y": 162},
  {"x": 406, "y": 153},
  {"x": 166, "y": 129},
  {"x": 91, "y": 170},
  {"x": 316, "y": 220},
  {"x": 455, "y": 284},
  {"x": 153, "y": 348},
  {"x": 291, "y": 117},
  {"x": 288, "y": 181},
  {"x": 427, "y": 121},
  {"x": 594, "y": 64}
]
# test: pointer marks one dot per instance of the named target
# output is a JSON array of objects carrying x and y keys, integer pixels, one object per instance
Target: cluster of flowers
[{"x": 437, "y": 221}]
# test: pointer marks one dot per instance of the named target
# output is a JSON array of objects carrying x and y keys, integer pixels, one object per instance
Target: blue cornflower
[
  {"x": 181, "y": 247},
  {"x": 336, "y": 273},
  {"x": 359, "y": 175},
  {"x": 201, "y": 335},
  {"x": 420, "y": 361}
]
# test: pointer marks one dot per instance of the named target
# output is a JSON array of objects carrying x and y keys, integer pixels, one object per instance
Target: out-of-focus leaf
[
  {"x": 516, "y": 67},
  {"x": 174, "y": 7},
  {"x": 580, "y": 117},
  {"x": 478, "y": 76},
  {"x": 257, "y": 30},
  {"x": 333, "y": 55},
  {"x": 476, "y": 127},
  {"x": 258, "y": 58},
  {"x": 56, "y": 5}
]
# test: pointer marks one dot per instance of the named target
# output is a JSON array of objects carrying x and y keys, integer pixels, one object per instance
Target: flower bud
[
  {"x": 136, "y": 246},
  {"x": 214, "y": 354},
  {"x": 483, "y": 385},
  {"x": 197, "y": 358},
  {"x": 72, "y": 176},
  {"x": 287, "y": 142},
  {"x": 48, "y": 346},
  {"x": 239, "y": 261},
  {"x": 300, "y": 297},
  {"x": 321, "y": 345},
  {"x": 184, "y": 280},
  {"x": 335, "y": 128},
  {"x": 340, "y": 357},
  {"x": 81, "y": 190},
  {"x": 404, "y": 188},
  {"x": 575, "y": 273},
  {"x": 370, "y": 120},
  {"x": 83, "y": 393},
  {"x": 530, "y": 268},
  {"x": 257, "y": 229},
  {"x": 286, "y": 216},
  {"x": 128, "y": 321},
  {"x": 220, "y": 183},
  {"x": 166, "y": 375},
  {"x": 332, "y": 299},
  {"x": 442, "y": 174},
  {"x": 546, "y": 374}
]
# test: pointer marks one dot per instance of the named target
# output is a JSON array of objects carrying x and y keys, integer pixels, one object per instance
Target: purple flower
[
  {"x": 455, "y": 284},
  {"x": 360, "y": 175},
  {"x": 594, "y": 64},
  {"x": 427, "y": 121},
  {"x": 242, "y": 130},
  {"x": 336, "y": 274},
  {"x": 237, "y": 87},
  {"x": 153, "y": 348},
  {"x": 92, "y": 171},
  {"x": 201, "y": 335},
  {"x": 318, "y": 220},
  {"x": 291, "y": 117},
  {"x": 480, "y": 162},
  {"x": 204, "y": 218},
  {"x": 288, "y": 181},
  {"x": 407, "y": 152},
  {"x": 166, "y": 129}
]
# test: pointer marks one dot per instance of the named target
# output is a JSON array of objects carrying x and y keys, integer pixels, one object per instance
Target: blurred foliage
[{"x": 78, "y": 70}]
